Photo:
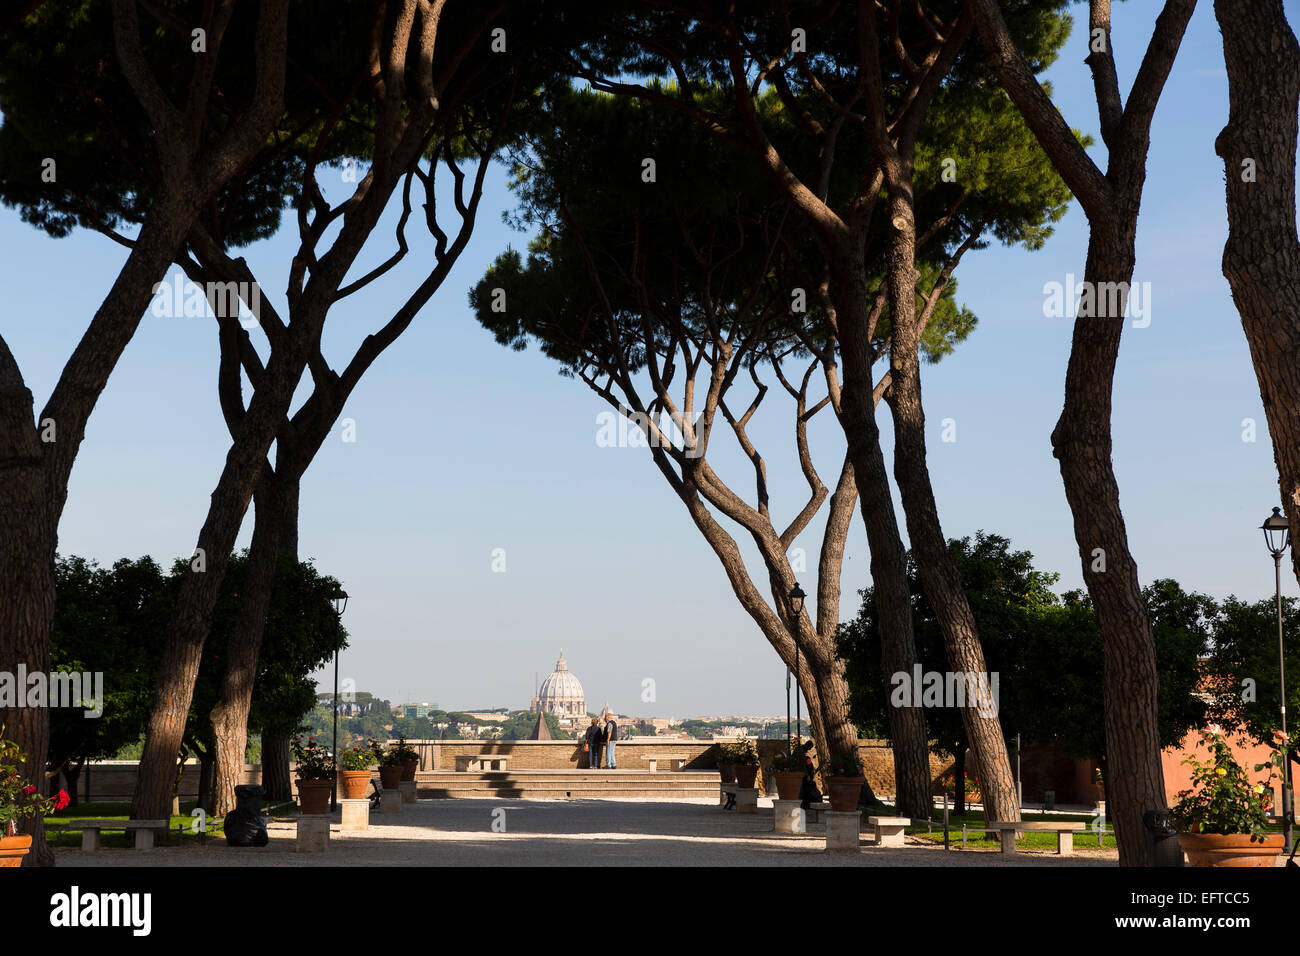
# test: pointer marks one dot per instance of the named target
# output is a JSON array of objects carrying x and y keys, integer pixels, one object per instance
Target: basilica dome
[{"x": 561, "y": 694}]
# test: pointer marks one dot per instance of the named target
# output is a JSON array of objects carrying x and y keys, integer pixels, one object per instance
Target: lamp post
[
  {"x": 796, "y": 605},
  {"x": 340, "y": 600},
  {"x": 787, "y": 710},
  {"x": 1276, "y": 530}
]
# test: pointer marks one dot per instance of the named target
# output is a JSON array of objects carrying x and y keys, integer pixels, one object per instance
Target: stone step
[{"x": 560, "y": 784}]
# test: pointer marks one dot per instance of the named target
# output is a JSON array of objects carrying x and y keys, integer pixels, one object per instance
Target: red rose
[
  {"x": 29, "y": 790},
  {"x": 61, "y": 800}
]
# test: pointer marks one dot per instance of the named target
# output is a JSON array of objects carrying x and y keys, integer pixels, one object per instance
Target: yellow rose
[{"x": 1221, "y": 771}]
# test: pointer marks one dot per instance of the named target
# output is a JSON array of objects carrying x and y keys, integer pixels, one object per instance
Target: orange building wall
[{"x": 1178, "y": 776}]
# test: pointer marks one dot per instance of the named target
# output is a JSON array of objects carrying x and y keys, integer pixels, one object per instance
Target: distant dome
[
  {"x": 561, "y": 694},
  {"x": 562, "y": 684}
]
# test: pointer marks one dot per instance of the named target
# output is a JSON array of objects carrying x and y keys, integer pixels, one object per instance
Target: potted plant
[
  {"x": 408, "y": 758},
  {"x": 391, "y": 765},
  {"x": 726, "y": 763},
  {"x": 745, "y": 760},
  {"x": 354, "y": 770},
  {"x": 789, "y": 773},
  {"x": 844, "y": 782},
  {"x": 970, "y": 787},
  {"x": 315, "y": 775},
  {"x": 1223, "y": 818},
  {"x": 19, "y": 799}
]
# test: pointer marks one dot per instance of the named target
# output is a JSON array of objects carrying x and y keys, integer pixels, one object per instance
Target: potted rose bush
[
  {"x": 970, "y": 787},
  {"x": 1223, "y": 817},
  {"x": 354, "y": 770},
  {"x": 19, "y": 799},
  {"x": 315, "y": 775}
]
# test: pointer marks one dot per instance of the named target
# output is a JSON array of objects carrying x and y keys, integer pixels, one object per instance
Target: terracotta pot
[
  {"x": 354, "y": 784},
  {"x": 746, "y": 774},
  {"x": 314, "y": 795},
  {"x": 1232, "y": 849},
  {"x": 389, "y": 777},
  {"x": 843, "y": 793},
  {"x": 727, "y": 772},
  {"x": 788, "y": 784},
  {"x": 408, "y": 770},
  {"x": 13, "y": 849}
]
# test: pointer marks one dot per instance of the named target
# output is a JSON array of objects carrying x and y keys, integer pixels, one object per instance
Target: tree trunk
[
  {"x": 1082, "y": 443},
  {"x": 1261, "y": 259},
  {"x": 275, "y": 768},
  {"x": 1081, "y": 440},
  {"x": 26, "y": 616},
  {"x": 276, "y": 511},
  {"x": 888, "y": 559},
  {"x": 938, "y": 572}
]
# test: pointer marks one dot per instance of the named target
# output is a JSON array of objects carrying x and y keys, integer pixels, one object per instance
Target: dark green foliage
[
  {"x": 113, "y": 620},
  {"x": 1243, "y": 675},
  {"x": 1046, "y": 651}
]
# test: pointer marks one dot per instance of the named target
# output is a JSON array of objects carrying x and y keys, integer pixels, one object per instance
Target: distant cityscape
[{"x": 560, "y": 697}]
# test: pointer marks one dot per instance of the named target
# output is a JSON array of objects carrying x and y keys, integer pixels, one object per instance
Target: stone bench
[
  {"x": 675, "y": 761},
  {"x": 480, "y": 762},
  {"x": 90, "y": 830},
  {"x": 1064, "y": 833},
  {"x": 889, "y": 830}
]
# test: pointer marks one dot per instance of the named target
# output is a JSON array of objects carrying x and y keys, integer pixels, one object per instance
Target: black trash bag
[{"x": 244, "y": 825}]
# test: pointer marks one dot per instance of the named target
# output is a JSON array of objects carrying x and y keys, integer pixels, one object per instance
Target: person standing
[
  {"x": 593, "y": 742},
  {"x": 611, "y": 737}
]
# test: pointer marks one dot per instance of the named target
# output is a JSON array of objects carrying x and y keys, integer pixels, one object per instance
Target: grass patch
[
  {"x": 121, "y": 838},
  {"x": 977, "y": 840}
]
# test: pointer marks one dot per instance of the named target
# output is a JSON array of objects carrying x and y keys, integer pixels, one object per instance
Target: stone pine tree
[
  {"x": 462, "y": 153},
  {"x": 657, "y": 286},
  {"x": 693, "y": 180},
  {"x": 1081, "y": 440},
  {"x": 208, "y": 82},
  {"x": 859, "y": 82},
  {"x": 1262, "y": 256},
  {"x": 417, "y": 65}
]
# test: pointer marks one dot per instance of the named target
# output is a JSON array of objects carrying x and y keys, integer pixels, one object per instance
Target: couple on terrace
[{"x": 601, "y": 738}]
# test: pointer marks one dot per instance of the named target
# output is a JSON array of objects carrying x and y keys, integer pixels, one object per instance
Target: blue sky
[{"x": 464, "y": 447}]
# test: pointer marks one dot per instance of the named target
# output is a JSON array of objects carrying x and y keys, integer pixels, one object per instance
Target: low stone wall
[
  {"x": 876, "y": 755},
  {"x": 114, "y": 780}
]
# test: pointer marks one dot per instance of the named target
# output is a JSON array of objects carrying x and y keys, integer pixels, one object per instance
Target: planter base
[
  {"x": 1236, "y": 850},
  {"x": 843, "y": 831},
  {"x": 789, "y": 817}
]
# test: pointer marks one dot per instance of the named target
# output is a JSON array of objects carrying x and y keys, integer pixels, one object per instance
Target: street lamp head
[
  {"x": 796, "y": 598},
  {"x": 340, "y": 600},
  {"x": 1276, "y": 529}
]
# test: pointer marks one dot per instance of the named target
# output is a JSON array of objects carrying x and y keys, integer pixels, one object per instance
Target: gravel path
[{"x": 605, "y": 832}]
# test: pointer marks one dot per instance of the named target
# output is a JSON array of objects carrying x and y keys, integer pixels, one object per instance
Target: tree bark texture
[{"x": 1261, "y": 259}]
